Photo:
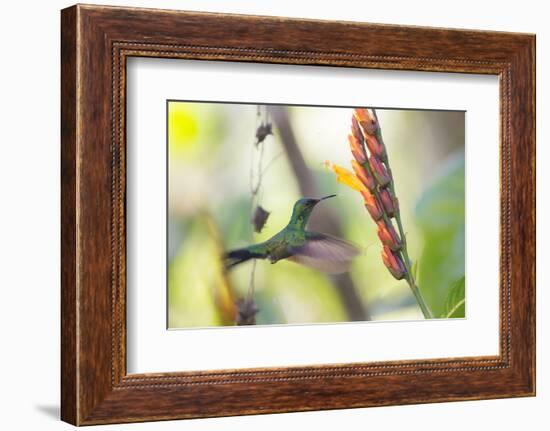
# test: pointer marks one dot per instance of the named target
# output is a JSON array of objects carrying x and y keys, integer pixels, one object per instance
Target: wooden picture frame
[{"x": 96, "y": 41}]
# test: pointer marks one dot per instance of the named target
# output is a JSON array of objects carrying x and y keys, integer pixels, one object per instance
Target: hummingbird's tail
[{"x": 234, "y": 257}]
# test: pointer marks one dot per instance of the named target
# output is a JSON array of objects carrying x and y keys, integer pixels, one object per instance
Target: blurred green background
[{"x": 211, "y": 147}]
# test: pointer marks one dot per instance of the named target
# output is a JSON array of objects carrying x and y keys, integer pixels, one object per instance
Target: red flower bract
[
  {"x": 375, "y": 147},
  {"x": 364, "y": 175},
  {"x": 389, "y": 202},
  {"x": 357, "y": 149},
  {"x": 388, "y": 236},
  {"x": 356, "y": 130},
  {"x": 379, "y": 171},
  {"x": 394, "y": 263},
  {"x": 372, "y": 205},
  {"x": 367, "y": 121}
]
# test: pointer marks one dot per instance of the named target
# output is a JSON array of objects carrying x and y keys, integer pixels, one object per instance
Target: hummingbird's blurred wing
[{"x": 325, "y": 253}]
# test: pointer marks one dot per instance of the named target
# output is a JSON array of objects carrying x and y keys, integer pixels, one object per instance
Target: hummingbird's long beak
[{"x": 326, "y": 197}]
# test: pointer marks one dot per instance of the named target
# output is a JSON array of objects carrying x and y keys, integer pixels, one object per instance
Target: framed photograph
[{"x": 323, "y": 214}]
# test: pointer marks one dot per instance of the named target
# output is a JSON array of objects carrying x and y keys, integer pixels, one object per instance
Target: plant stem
[
  {"x": 410, "y": 276},
  {"x": 420, "y": 299},
  {"x": 406, "y": 261}
]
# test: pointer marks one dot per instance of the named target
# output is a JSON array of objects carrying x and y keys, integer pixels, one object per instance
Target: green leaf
[
  {"x": 455, "y": 305},
  {"x": 440, "y": 215}
]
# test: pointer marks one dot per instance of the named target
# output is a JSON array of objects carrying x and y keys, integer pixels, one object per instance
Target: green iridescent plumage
[{"x": 313, "y": 249}]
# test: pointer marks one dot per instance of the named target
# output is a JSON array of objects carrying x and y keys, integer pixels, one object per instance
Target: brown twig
[{"x": 247, "y": 308}]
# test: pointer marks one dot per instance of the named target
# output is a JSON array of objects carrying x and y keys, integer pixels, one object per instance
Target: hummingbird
[{"x": 315, "y": 250}]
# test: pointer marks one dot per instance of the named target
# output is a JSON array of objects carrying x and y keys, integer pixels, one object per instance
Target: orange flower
[
  {"x": 363, "y": 175},
  {"x": 394, "y": 263},
  {"x": 346, "y": 177}
]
